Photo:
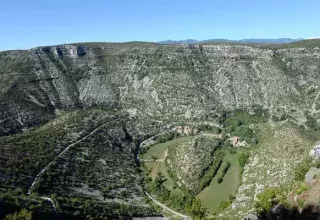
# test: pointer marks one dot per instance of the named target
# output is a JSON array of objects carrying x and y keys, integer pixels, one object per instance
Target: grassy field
[
  {"x": 159, "y": 151},
  {"x": 212, "y": 195}
]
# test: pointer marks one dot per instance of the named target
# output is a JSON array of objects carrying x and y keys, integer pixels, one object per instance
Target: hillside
[{"x": 72, "y": 118}]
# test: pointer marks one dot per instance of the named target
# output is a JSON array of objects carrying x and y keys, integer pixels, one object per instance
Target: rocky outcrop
[{"x": 315, "y": 152}]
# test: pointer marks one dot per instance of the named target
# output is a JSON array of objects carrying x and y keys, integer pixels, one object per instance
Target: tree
[
  {"x": 196, "y": 209},
  {"x": 20, "y": 215},
  {"x": 201, "y": 48}
]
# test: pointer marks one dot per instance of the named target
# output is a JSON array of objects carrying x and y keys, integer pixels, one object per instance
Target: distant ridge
[{"x": 253, "y": 41}]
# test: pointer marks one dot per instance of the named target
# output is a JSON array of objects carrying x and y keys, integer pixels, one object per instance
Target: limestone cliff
[{"x": 162, "y": 81}]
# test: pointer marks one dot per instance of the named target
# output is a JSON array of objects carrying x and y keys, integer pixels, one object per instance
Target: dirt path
[
  {"x": 60, "y": 155},
  {"x": 208, "y": 134},
  {"x": 157, "y": 164},
  {"x": 51, "y": 202},
  {"x": 167, "y": 208}
]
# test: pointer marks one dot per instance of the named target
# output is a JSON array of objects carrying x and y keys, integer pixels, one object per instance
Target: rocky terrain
[
  {"x": 80, "y": 111},
  {"x": 189, "y": 160},
  {"x": 162, "y": 81}
]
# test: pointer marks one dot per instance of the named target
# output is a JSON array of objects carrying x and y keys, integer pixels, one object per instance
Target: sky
[{"x": 27, "y": 24}]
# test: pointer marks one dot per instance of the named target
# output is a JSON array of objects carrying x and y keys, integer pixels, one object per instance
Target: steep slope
[
  {"x": 78, "y": 112},
  {"x": 272, "y": 164},
  {"x": 163, "y": 81},
  {"x": 82, "y": 161}
]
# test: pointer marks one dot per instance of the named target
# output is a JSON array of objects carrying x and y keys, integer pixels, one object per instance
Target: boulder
[
  {"x": 312, "y": 174},
  {"x": 250, "y": 217}
]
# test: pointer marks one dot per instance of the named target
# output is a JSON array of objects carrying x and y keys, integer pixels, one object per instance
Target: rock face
[{"x": 162, "y": 81}]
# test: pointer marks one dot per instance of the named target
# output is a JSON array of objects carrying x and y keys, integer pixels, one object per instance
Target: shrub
[
  {"x": 224, "y": 171},
  {"x": 21, "y": 215},
  {"x": 302, "y": 187},
  {"x": 301, "y": 169},
  {"x": 226, "y": 168},
  {"x": 195, "y": 208},
  {"x": 301, "y": 203},
  {"x": 271, "y": 197},
  {"x": 223, "y": 205},
  {"x": 213, "y": 170},
  {"x": 243, "y": 158}
]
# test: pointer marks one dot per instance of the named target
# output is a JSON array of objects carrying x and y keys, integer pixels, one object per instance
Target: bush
[
  {"x": 226, "y": 168},
  {"x": 224, "y": 171},
  {"x": 205, "y": 127},
  {"x": 301, "y": 169},
  {"x": 213, "y": 170},
  {"x": 21, "y": 215},
  {"x": 271, "y": 197},
  {"x": 311, "y": 123},
  {"x": 243, "y": 158},
  {"x": 195, "y": 208},
  {"x": 223, "y": 205},
  {"x": 302, "y": 187}
]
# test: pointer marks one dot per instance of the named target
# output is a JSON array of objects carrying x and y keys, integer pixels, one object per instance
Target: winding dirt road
[
  {"x": 167, "y": 208},
  {"x": 60, "y": 155},
  {"x": 161, "y": 160}
]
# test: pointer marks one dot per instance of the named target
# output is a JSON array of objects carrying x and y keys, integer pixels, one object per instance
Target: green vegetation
[
  {"x": 271, "y": 197},
  {"x": 214, "y": 195},
  {"x": 195, "y": 208},
  {"x": 157, "y": 149},
  {"x": 223, "y": 205},
  {"x": 24, "y": 155},
  {"x": 14, "y": 204},
  {"x": 223, "y": 172},
  {"x": 217, "y": 184},
  {"x": 79, "y": 180},
  {"x": 23, "y": 214},
  {"x": 163, "y": 184},
  {"x": 150, "y": 88},
  {"x": 238, "y": 124},
  {"x": 301, "y": 169},
  {"x": 181, "y": 199},
  {"x": 206, "y": 127},
  {"x": 213, "y": 170},
  {"x": 242, "y": 160},
  {"x": 238, "y": 118},
  {"x": 300, "y": 187}
]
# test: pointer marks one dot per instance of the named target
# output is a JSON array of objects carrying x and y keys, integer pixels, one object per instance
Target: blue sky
[{"x": 26, "y": 24}]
